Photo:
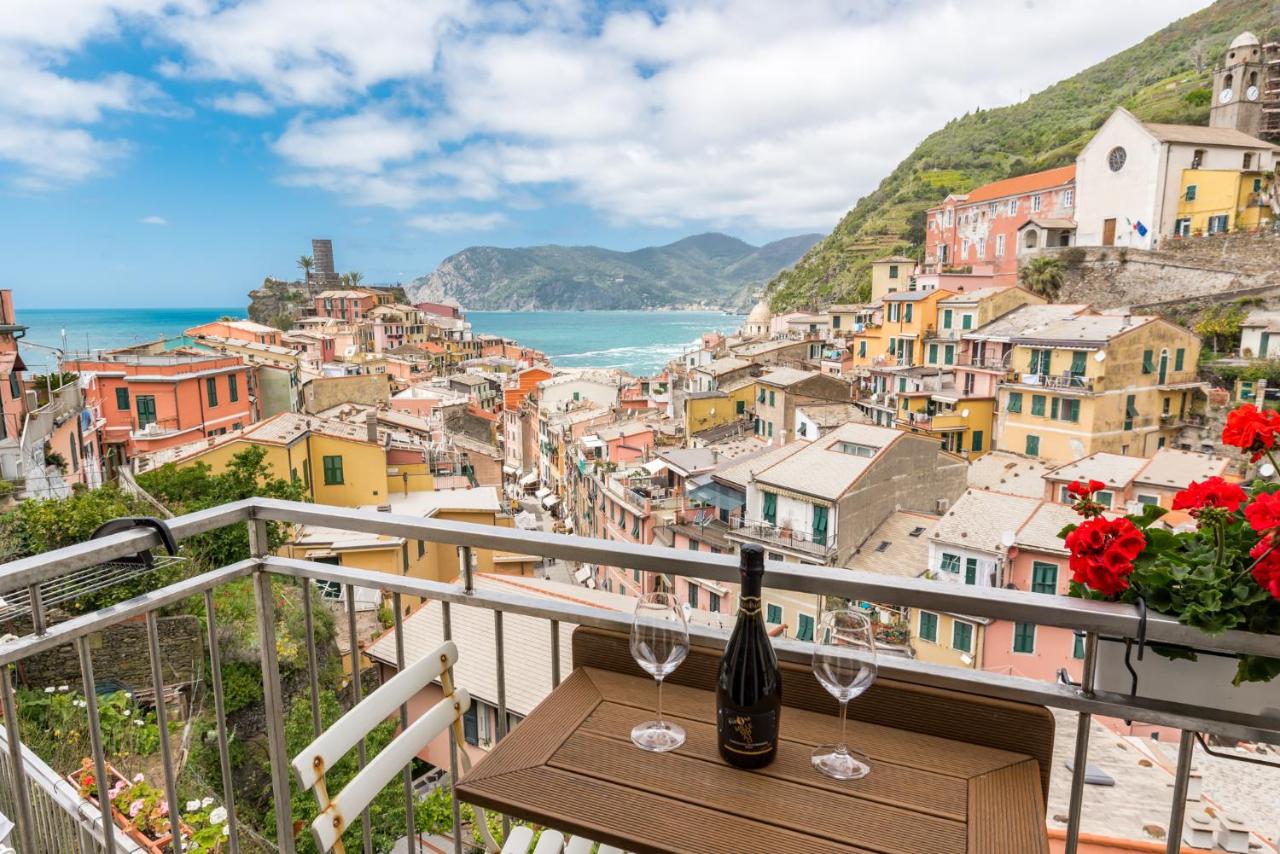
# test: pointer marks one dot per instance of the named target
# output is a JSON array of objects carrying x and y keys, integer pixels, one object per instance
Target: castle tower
[
  {"x": 1238, "y": 87},
  {"x": 323, "y": 276}
]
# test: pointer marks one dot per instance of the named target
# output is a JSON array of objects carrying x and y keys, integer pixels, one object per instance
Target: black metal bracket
[
  {"x": 1142, "y": 647},
  {"x": 1204, "y": 745},
  {"x": 129, "y": 523}
]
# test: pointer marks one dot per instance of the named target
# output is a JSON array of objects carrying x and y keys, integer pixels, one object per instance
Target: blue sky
[{"x": 174, "y": 152}]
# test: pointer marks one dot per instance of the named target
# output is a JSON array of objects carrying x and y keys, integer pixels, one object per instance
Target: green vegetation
[
  {"x": 1221, "y": 323},
  {"x": 1043, "y": 276},
  {"x": 711, "y": 268},
  {"x": 1158, "y": 79},
  {"x": 54, "y": 724}
]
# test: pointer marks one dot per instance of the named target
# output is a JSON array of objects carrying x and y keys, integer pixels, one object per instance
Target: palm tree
[
  {"x": 1043, "y": 276},
  {"x": 352, "y": 279},
  {"x": 306, "y": 263}
]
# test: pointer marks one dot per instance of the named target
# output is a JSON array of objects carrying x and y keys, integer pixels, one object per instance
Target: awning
[
  {"x": 529, "y": 479},
  {"x": 550, "y": 501},
  {"x": 718, "y": 495},
  {"x": 543, "y": 493},
  {"x": 506, "y": 469},
  {"x": 582, "y": 574}
]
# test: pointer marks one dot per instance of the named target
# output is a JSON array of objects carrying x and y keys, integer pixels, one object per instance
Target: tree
[
  {"x": 306, "y": 263},
  {"x": 1043, "y": 276},
  {"x": 1221, "y": 322},
  {"x": 352, "y": 279}
]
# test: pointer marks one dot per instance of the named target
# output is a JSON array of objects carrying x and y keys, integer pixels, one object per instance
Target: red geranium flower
[
  {"x": 1080, "y": 489},
  {"x": 1102, "y": 553},
  {"x": 1214, "y": 492},
  {"x": 1251, "y": 429},
  {"x": 1267, "y": 570},
  {"x": 1263, "y": 512}
]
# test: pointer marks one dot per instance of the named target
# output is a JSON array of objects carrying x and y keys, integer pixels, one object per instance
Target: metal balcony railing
[
  {"x": 786, "y": 538},
  {"x": 30, "y": 801}
]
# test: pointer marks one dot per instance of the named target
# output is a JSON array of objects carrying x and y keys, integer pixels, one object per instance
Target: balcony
[
  {"x": 783, "y": 538},
  {"x": 51, "y": 816},
  {"x": 1057, "y": 382}
]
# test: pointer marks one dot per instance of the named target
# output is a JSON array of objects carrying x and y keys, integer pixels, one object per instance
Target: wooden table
[{"x": 571, "y": 765}]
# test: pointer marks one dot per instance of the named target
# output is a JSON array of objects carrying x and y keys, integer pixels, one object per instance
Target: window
[
  {"x": 835, "y": 321},
  {"x": 1218, "y": 224},
  {"x": 1153, "y": 500},
  {"x": 233, "y": 388},
  {"x": 1037, "y": 404},
  {"x": 1104, "y": 498},
  {"x": 1000, "y": 244},
  {"x": 1148, "y": 362},
  {"x": 739, "y": 407},
  {"x": 1068, "y": 198},
  {"x": 122, "y": 399},
  {"x": 819, "y": 525},
  {"x": 770, "y": 429},
  {"x": 928, "y": 626},
  {"x": 333, "y": 471},
  {"x": 962, "y": 636},
  {"x": 1024, "y": 637},
  {"x": 933, "y": 354},
  {"x": 946, "y": 318},
  {"x": 693, "y": 596},
  {"x": 1191, "y": 192},
  {"x": 713, "y": 603},
  {"x": 1116, "y": 158},
  {"x": 948, "y": 355},
  {"x": 1078, "y": 362},
  {"x": 1035, "y": 203},
  {"x": 1070, "y": 410},
  {"x": 15, "y": 387},
  {"x": 893, "y": 271},
  {"x": 1013, "y": 207},
  {"x": 1197, "y": 158},
  {"x": 1015, "y": 401},
  {"x": 966, "y": 321},
  {"x": 577, "y": 395},
  {"x": 1179, "y": 357},
  {"x": 760, "y": 398},
  {"x": 1041, "y": 360},
  {"x": 773, "y": 614},
  {"x": 770, "y": 507},
  {"x": 950, "y": 562},
  {"x": 1033, "y": 446},
  {"x": 862, "y": 349},
  {"x": 773, "y": 399},
  {"x": 982, "y": 247},
  {"x": 907, "y": 317},
  {"x": 146, "y": 405},
  {"x": 805, "y": 631},
  {"x": 1077, "y": 649},
  {"x": 902, "y": 384},
  {"x": 971, "y": 570},
  {"x": 977, "y": 441},
  {"x": 211, "y": 390},
  {"x": 471, "y": 725},
  {"x": 853, "y": 449},
  {"x": 1130, "y": 411},
  {"x": 1044, "y": 577}
]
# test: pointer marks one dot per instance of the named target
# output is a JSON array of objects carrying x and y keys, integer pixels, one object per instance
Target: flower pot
[
  {"x": 157, "y": 846},
  {"x": 1204, "y": 682}
]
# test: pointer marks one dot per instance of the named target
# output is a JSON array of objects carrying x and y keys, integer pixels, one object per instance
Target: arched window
[
  {"x": 1032, "y": 240},
  {"x": 1197, "y": 159},
  {"x": 1227, "y": 81},
  {"x": 1253, "y": 78}
]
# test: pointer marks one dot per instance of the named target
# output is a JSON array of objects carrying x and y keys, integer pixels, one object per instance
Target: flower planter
[
  {"x": 1206, "y": 681},
  {"x": 156, "y": 846}
]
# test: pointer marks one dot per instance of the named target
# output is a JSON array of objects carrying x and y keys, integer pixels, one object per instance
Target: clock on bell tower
[{"x": 1237, "y": 87}]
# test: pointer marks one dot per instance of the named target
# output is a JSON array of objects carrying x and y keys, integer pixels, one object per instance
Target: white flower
[
  {"x": 218, "y": 816},
  {"x": 192, "y": 806},
  {"x": 138, "y": 778},
  {"x": 206, "y": 803},
  {"x": 138, "y": 722},
  {"x": 226, "y": 830},
  {"x": 126, "y": 713},
  {"x": 63, "y": 688},
  {"x": 49, "y": 690}
]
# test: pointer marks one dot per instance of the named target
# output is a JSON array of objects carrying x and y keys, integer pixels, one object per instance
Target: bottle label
[
  {"x": 748, "y": 734},
  {"x": 749, "y": 606}
]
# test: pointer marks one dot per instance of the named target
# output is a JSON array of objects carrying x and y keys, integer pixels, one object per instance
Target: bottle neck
[{"x": 749, "y": 595}]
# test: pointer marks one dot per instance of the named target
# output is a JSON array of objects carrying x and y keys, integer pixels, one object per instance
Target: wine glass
[
  {"x": 659, "y": 642},
  {"x": 840, "y": 633}
]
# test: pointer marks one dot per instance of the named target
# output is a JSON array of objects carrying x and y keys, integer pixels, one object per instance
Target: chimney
[
  {"x": 6, "y": 307},
  {"x": 371, "y": 423}
]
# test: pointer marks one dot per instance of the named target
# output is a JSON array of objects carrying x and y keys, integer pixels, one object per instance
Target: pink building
[
  {"x": 13, "y": 406},
  {"x": 349, "y": 305},
  {"x": 238, "y": 330}
]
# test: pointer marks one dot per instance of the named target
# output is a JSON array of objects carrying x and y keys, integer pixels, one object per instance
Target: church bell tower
[{"x": 1238, "y": 85}]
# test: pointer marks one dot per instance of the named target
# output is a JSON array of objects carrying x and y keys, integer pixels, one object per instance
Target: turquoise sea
[{"x": 640, "y": 342}]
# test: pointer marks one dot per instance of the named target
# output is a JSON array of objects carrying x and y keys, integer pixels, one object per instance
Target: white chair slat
[
  {"x": 518, "y": 840},
  {"x": 550, "y": 842},
  {"x": 579, "y": 845}
]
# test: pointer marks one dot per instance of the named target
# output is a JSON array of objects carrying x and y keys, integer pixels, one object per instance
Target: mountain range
[
  {"x": 713, "y": 270},
  {"x": 1167, "y": 77}
]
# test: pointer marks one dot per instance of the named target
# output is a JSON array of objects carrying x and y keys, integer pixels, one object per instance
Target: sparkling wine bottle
[{"x": 749, "y": 690}]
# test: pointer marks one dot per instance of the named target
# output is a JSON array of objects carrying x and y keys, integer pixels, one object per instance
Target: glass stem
[
  {"x": 659, "y": 678},
  {"x": 842, "y": 747}
]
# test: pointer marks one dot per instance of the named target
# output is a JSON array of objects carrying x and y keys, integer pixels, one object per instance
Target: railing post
[
  {"x": 313, "y": 668},
  {"x": 468, "y": 576},
  {"x": 454, "y": 747},
  {"x": 162, "y": 723},
  {"x": 1181, "y": 781},
  {"x": 220, "y": 712},
  {"x": 95, "y": 741},
  {"x": 353, "y": 646},
  {"x": 1084, "y": 722},
  {"x": 273, "y": 699},
  {"x": 17, "y": 767},
  {"x": 500, "y": 661},
  {"x": 411, "y": 825}
]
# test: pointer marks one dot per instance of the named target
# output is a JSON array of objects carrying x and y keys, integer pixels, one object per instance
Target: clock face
[
  {"x": 1225, "y": 96},
  {"x": 1251, "y": 93}
]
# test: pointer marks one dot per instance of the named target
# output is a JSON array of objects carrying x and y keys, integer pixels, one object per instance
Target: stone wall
[
  {"x": 327, "y": 392},
  {"x": 1205, "y": 269},
  {"x": 120, "y": 655}
]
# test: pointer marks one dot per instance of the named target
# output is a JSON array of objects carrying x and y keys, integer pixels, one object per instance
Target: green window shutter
[
  {"x": 770, "y": 429},
  {"x": 635, "y": 529},
  {"x": 1130, "y": 411},
  {"x": 693, "y": 596},
  {"x": 928, "y": 626},
  {"x": 713, "y": 603},
  {"x": 971, "y": 570},
  {"x": 966, "y": 321},
  {"x": 211, "y": 390},
  {"x": 233, "y": 388},
  {"x": 1053, "y": 408},
  {"x": 146, "y": 405},
  {"x": 1024, "y": 637},
  {"x": 949, "y": 355},
  {"x": 977, "y": 440},
  {"x": 1044, "y": 577},
  {"x": 805, "y": 631},
  {"x": 862, "y": 348},
  {"x": 950, "y": 562},
  {"x": 773, "y": 614},
  {"x": 1077, "y": 650},
  {"x": 1179, "y": 357},
  {"x": 1148, "y": 362},
  {"x": 907, "y": 319},
  {"x": 946, "y": 318},
  {"x": 1015, "y": 401},
  {"x": 1033, "y": 446},
  {"x": 962, "y": 636},
  {"x": 1077, "y": 361},
  {"x": 902, "y": 384},
  {"x": 773, "y": 400},
  {"x": 771, "y": 507},
  {"x": 333, "y": 470},
  {"x": 1072, "y": 412},
  {"x": 760, "y": 397},
  {"x": 933, "y": 354},
  {"x": 1037, "y": 404},
  {"x": 122, "y": 399},
  {"x": 819, "y": 525},
  {"x": 739, "y": 407}
]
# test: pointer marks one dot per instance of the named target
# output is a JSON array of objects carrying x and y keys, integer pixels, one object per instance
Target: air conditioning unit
[{"x": 943, "y": 505}]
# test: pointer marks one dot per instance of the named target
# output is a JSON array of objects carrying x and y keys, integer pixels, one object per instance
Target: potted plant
[
  {"x": 138, "y": 808},
  {"x": 1224, "y": 574}
]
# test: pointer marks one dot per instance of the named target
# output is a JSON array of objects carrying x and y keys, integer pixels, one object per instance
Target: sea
[{"x": 639, "y": 342}]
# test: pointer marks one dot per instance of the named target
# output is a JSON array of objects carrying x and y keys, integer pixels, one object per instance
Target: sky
[{"x": 175, "y": 152}]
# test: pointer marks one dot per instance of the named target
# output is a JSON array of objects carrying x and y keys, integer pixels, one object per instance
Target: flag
[{"x": 1140, "y": 228}]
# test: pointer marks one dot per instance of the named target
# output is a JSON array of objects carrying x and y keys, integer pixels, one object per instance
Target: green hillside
[{"x": 1164, "y": 79}]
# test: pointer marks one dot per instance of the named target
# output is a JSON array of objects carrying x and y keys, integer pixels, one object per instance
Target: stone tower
[
  {"x": 1237, "y": 87},
  {"x": 323, "y": 276}
]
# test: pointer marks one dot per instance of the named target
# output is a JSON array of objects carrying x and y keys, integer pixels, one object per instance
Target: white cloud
[
  {"x": 154, "y": 220},
  {"x": 457, "y": 221},
  {"x": 244, "y": 104}
]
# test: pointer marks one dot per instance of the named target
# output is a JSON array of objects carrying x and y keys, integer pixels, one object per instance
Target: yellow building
[
  {"x": 941, "y": 638},
  {"x": 705, "y": 410},
  {"x": 906, "y": 319},
  {"x": 1098, "y": 382},
  {"x": 1217, "y": 200},
  {"x": 891, "y": 275},
  {"x": 337, "y": 462}
]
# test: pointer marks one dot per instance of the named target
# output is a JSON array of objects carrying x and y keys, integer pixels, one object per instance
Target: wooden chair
[
  {"x": 337, "y": 813},
  {"x": 1002, "y": 724}
]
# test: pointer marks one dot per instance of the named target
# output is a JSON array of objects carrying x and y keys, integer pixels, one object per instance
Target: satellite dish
[
  {"x": 1007, "y": 538},
  {"x": 1100, "y": 356},
  {"x": 1266, "y": 470},
  {"x": 964, "y": 413},
  {"x": 966, "y": 658}
]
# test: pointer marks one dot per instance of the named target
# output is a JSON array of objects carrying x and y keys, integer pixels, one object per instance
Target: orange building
[
  {"x": 349, "y": 305},
  {"x": 238, "y": 330},
  {"x": 150, "y": 402},
  {"x": 13, "y": 405}
]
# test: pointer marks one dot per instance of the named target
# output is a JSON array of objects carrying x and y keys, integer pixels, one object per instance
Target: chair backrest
[
  {"x": 337, "y": 812},
  {"x": 1003, "y": 724}
]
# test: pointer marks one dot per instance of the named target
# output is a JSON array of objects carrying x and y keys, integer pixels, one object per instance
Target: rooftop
[
  {"x": 725, "y": 365},
  {"x": 1085, "y": 329},
  {"x": 1022, "y": 184},
  {"x": 1114, "y": 470},
  {"x": 1268, "y": 321},
  {"x": 985, "y": 521},
  {"x": 430, "y": 502},
  {"x": 1003, "y": 471},
  {"x": 898, "y": 546},
  {"x": 821, "y": 469},
  {"x": 1025, "y": 320},
  {"x": 1040, "y": 530},
  {"x": 785, "y": 377},
  {"x": 1199, "y": 135},
  {"x": 914, "y": 296},
  {"x": 1170, "y": 467},
  {"x": 833, "y": 414}
]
